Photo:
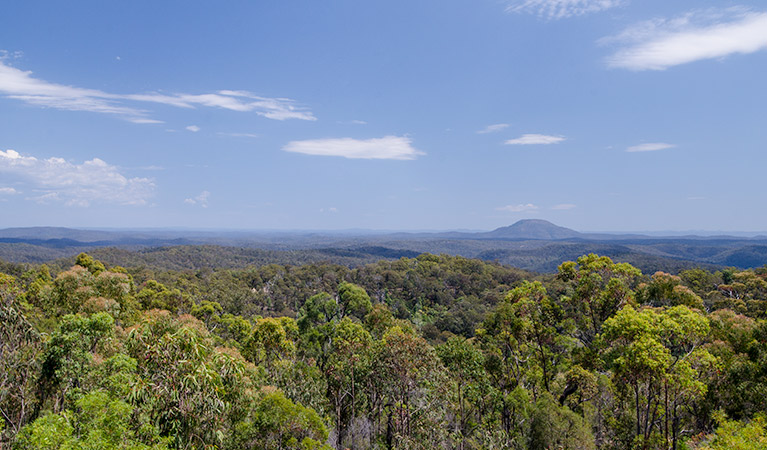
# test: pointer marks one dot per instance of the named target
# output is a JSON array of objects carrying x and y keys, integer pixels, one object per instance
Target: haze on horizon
[{"x": 596, "y": 115}]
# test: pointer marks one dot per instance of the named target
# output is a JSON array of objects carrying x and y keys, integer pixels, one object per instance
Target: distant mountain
[
  {"x": 529, "y": 244},
  {"x": 531, "y": 229},
  {"x": 46, "y": 233}
]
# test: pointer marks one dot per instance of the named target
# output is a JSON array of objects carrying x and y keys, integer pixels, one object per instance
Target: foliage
[
  {"x": 425, "y": 352},
  {"x": 733, "y": 435}
]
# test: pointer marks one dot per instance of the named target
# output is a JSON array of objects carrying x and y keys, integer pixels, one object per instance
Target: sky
[{"x": 619, "y": 115}]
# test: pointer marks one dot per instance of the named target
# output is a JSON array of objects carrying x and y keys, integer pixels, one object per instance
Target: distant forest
[
  {"x": 205, "y": 347},
  {"x": 534, "y": 245}
]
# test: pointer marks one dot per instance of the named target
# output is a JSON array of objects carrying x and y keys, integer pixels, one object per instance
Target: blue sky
[{"x": 617, "y": 115}]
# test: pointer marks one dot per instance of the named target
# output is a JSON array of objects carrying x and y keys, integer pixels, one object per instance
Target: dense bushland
[{"x": 425, "y": 352}]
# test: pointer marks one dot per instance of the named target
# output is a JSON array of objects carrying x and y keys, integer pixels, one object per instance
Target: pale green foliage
[
  {"x": 556, "y": 427},
  {"x": 96, "y": 423},
  {"x": 354, "y": 300},
  {"x": 597, "y": 289},
  {"x": 68, "y": 355},
  {"x": 180, "y": 379},
  {"x": 733, "y": 435},
  {"x": 156, "y": 295},
  {"x": 84, "y": 260},
  {"x": 19, "y": 366},
  {"x": 275, "y": 422},
  {"x": 666, "y": 290},
  {"x": 470, "y": 388},
  {"x": 655, "y": 355},
  {"x": 269, "y": 342},
  {"x": 411, "y": 379},
  {"x": 80, "y": 290}
]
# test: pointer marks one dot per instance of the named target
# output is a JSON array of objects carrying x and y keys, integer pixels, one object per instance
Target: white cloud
[
  {"x": 535, "y": 139},
  {"x": 193, "y": 128},
  {"x": 517, "y": 208},
  {"x": 563, "y": 207},
  {"x": 388, "y": 147},
  {"x": 662, "y": 43},
  {"x": 247, "y": 135},
  {"x": 5, "y": 54},
  {"x": 201, "y": 199},
  {"x": 650, "y": 147},
  {"x": 21, "y": 85},
  {"x": 76, "y": 184},
  {"x": 493, "y": 128},
  {"x": 560, "y": 9},
  {"x": 8, "y": 191}
]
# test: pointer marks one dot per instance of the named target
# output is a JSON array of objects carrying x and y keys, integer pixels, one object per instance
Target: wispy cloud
[
  {"x": 518, "y": 208},
  {"x": 245, "y": 135},
  {"x": 560, "y": 9},
  {"x": 201, "y": 199},
  {"x": 5, "y": 54},
  {"x": 8, "y": 191},
  {"x": 650, "y": 147},
  {"x": 193, "y": 128},
  {"x": 535, "y": 139},
  {"x": 710, "y": 34},
  {"x": 388, "y": 147},
  {"x": 493, "y": 128},
  {"x": 59, "y": 180},
  {"x": 563, "y": 207},
  {"x": 21, "y": 85}
]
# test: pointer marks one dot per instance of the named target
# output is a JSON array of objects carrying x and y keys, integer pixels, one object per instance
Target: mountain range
[{"x": 536, "y": 245}]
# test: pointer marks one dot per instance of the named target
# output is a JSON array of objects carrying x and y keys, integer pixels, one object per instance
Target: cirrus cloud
[
  {"x": 522, "y": 207},
  {"x": 93, "y": 181},
  {"x": 560, "y": 9},
  {"x": 21, "y": 85},
  {"x": 650, "y": 147},
  {"x": 493, "y": 128},
  {"x": 201, "y": 199},
  {"x": 535, "y": 139},
  {"x": 388, "y": 147},
  {"x": 698, "y": 35}
]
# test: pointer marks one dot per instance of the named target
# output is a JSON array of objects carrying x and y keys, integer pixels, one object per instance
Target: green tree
[
  {"x": 94, "y": 266},
  {"x": 269, "y": 342},
  {"x": 556, "y": 427},
  {"x": 598, "y": 288},
  {"x": 409, "y": 381},
  {"x": 316, "y": 324},
  {"x": 155, "y": 295},
  {"x": 471, "y": 386},
  {"x": 68, "y": 356},
  {"x": 354, "y": 301},
  {"x": 733, "y": 435},
  {"x": 658, "y": 363},
  {"x": 96, "y": 423},
  {"x": 346, "y": 373},
  {"x": 274, "y": 422},
  {"x": 20, "y": 344},
  {"x": 184, "y": 384},
  {"x": 667, "y": 290}
]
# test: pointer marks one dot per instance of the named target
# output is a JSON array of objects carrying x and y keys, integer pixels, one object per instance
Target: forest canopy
[{"x": 424, "y": 352}]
